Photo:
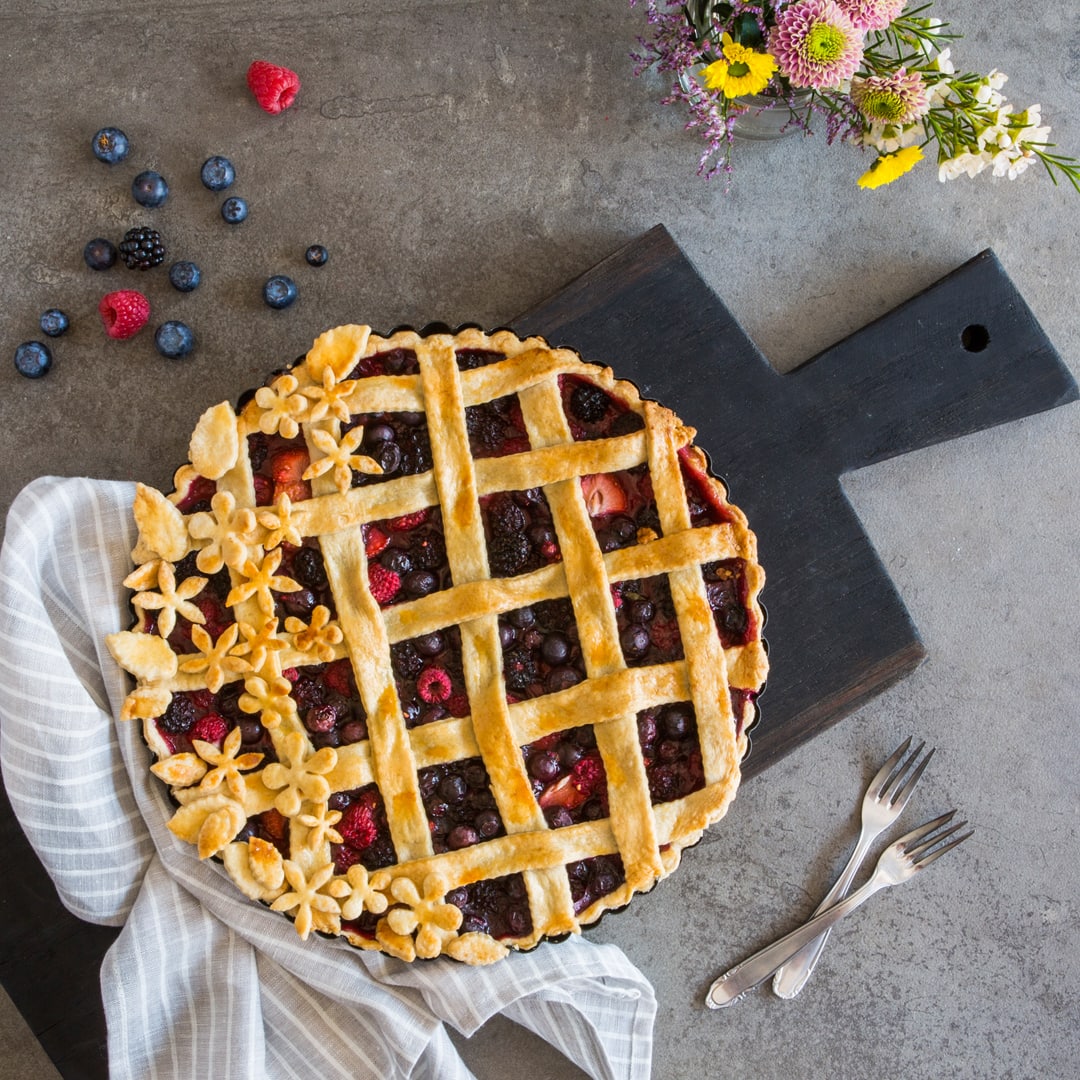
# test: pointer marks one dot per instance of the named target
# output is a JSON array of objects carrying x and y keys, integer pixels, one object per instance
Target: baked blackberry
[{"x": 142, "y": 249}]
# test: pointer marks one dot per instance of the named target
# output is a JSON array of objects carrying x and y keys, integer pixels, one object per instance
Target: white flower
[
  {"x": 943, "y": 63},
  {"x": 964, "y": 162}
]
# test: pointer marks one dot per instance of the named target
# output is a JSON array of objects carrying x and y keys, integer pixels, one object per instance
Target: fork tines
[
  {"x": 900, "y": 777},
  {"x": 930, "y": 841}
]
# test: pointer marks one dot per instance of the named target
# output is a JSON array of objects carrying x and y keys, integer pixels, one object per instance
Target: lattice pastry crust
[{"x": 446, "y": 644}]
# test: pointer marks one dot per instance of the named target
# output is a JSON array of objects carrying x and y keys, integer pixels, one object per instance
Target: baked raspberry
[
  {"x": 338, "y": 676},
  {"x": 357, "y": 826},
  {"x": 124, "y": 313},
  {"x": 275, "y": 87},
  {"x": 375, "y": 541},
  {"x": 384, "y": 583},
  {"x": 409, "y": 521},
  {"x": 433, "y": 685},
  {"x": 287, "y": 466},
  {"x": 211, "y": 728}
]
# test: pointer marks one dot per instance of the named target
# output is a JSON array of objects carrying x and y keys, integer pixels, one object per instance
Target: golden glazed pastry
[{"x": 445, "y": 644}]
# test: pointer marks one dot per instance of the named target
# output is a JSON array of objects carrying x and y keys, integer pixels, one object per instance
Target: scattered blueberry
[
  {"x": 234, "y": 210},
  {"x": 99, "y": 254},
  {"x": 149, "y": 189},
  {"x": 279, "y": 291},
  {"x": 110, "y": 145},
  {"x": 316, "y": 255},
  {"x": 217, "y": 173},
  {"x": 53, "y": 322},
  {"x": 32, "y": 359},
  {"x": 185, "y": 276},
  {"x": 174, "y": 339}
]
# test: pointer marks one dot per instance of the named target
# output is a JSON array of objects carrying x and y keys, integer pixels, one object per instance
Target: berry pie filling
[
  {"x": 305, "y": 566},
  {"x": 519, "y": 532},
  {"x": 495, "y": 906},
  {"x": 210, "y": 600},
  {"x": 567, "y": 776},
  {"x": 594, "y": 878},
  {"x": 327, "y": 703},
  {"x": 363, "y": 828},
  {"x": 593, "y": 413},
  {"x": 621, "y": 507},
  {"x": 202, "y": 714},
  {"x": 725, "y": 585},
  {"x": 398, "y": 441},
  {"x": 496, "y": 428},
  {"x": 460, "y": 807},
  {"x": 197, "y": 496},
  {"x": 406, "y": 557},
  {"x": 541, "y": 652},
  {"x": 645, "y": 615},
  {"x": 387, "y": 362},
  {"x": 429, "y": 679},
  {"x": 277, "y": 466},
  {"x": 671, "y": 751}
]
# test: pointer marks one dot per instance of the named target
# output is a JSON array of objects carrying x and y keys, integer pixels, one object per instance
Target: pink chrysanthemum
[
  {"x": 816, "y": 44},
  {"x": 899, "y": 98},
  {"x": 871, "y": 14}
]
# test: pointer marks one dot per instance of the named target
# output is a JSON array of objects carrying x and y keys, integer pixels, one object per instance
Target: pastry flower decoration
[
  {"x": 282, "y": 407},
  {"x": 171, "y": 600},
  {"x": 268, "y": 697},
  {"x": 227, "y": 765},
  {"x": 258, "y": 645},
  {"x": 320, "y": 823},
  {"x": 331, "y": 397},
  {"x": 318, "y": 637},
  {"x": 299, "y": 775},
  {"x": 261, "y": 583},
  {"x": 305, "y": 897},
  {"x": 228, "y": 531},
  {"x": 341, "y": 457},
  {"x": 364, "y": 892},
  {"x": 435, "y": 920},
  {"x": 213, "y": 657},
  {"x": 280, "y": 524}
]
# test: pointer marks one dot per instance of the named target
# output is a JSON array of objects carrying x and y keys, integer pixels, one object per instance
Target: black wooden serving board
[{"x": 964, "y": 355}]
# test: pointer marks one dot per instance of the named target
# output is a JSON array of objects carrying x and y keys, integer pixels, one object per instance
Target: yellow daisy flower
[
  {"x": 741, "y": 71},
  {"x": 889, "y": 166}
]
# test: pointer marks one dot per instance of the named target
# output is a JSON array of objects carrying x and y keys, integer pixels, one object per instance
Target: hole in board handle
[{"x": 975, "y": 338}]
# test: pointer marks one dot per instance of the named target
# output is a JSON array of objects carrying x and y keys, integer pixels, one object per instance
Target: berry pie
[{"x": 445, "y": 644}]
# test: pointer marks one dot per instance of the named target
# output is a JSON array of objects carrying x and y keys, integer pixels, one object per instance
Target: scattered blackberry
[
  {"x": 142, "y": 248},
  {"x": 316, "y": 255},
  {"x": 179, "y": 716},
  {"x": 519, "y": 669},
  {"x": 99, "y": 253},
  {"x": 33, "y": 359},
  {"x": 588, "y": 403},
  {"x": 149, "y": 189},
  {"x": 53, "y": 322}
]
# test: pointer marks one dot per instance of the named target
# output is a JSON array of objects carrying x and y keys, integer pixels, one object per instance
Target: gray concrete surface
[{"x": 462, "y": 161}]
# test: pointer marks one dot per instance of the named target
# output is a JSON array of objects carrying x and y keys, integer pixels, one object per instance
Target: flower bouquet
[{"x": 877, "y": 73}]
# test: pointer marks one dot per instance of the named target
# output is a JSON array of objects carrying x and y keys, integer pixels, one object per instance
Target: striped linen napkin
[{"x": 202, "y": 982}]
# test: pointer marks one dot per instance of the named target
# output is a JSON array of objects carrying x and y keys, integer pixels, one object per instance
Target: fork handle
[
  {"x": 733, "y": 985},
  {"x": 792, "y": 977}
]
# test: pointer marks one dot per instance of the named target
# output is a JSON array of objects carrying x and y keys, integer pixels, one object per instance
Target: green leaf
[{"x": 746, "y": 31}]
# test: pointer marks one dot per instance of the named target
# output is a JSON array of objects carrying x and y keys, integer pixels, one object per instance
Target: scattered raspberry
[
  {"x": 287, "y": 466},
  {"x": 589, "y": 775},
  {"x": 124, "y": 313},
  {"x": 357, "y": 826},
  {"x": 384, "y": 583},
  {"x": 275, "y": 88},
  {"x": 409, "y": 521},
  {"x": 337, "y": 676},
  {"x": 375, "y": 541},
  {"x": 458, "y": 705},
  {"x": 433, "y": 685},
  {"x": 211, "y": 728}
]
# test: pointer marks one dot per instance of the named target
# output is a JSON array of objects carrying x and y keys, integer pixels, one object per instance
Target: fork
[
  {"x": 882, "y": 804},
  {"x": 899, "y": 862}
]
